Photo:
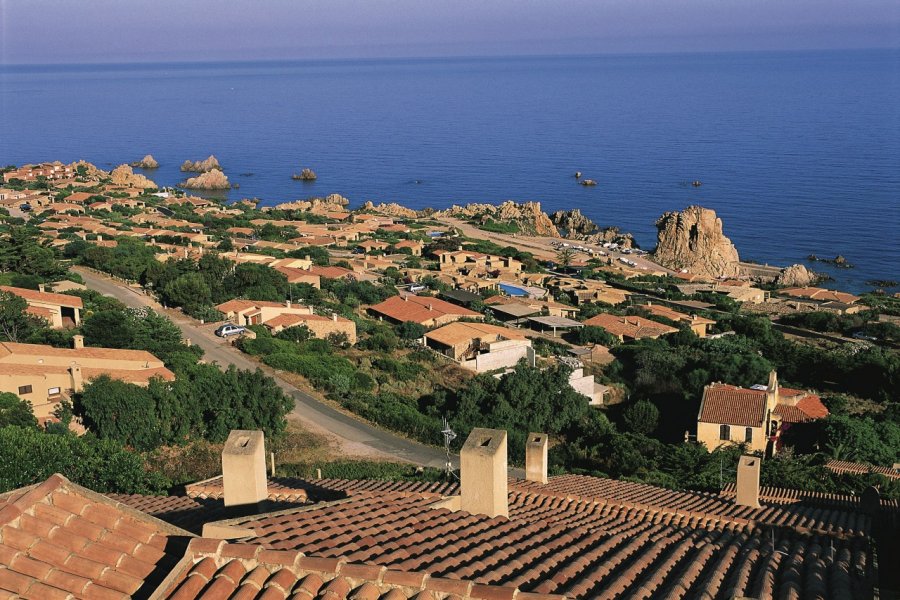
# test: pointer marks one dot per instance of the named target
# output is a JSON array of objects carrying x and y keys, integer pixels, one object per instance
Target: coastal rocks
[
  {"x": 693, "y": 240},
  {"x": 796, "y": 276},
  {"x": 305, "y": 175},
  {"x": 588, "y": 182},
  {"x": 201, "y": 166},
  {"x": 527, "y": 216},
  {"x": 837, "y": 261},
  {"x": 123, "y": 175},
  {"x": 573, "y": 224},
  {"x": 392, "y": 209},
  {"x": 210, "y": 180},
  {"x": 330, "y": 203},
  {"x": 148, "y": 162},
  {"x": 611, "y": 234}
]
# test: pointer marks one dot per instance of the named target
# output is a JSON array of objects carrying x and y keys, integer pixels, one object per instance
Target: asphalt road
[{"x": 357, "y": 434}]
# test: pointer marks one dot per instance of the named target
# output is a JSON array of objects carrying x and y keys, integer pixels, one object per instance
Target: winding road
[{"x": 357, "y": 436}]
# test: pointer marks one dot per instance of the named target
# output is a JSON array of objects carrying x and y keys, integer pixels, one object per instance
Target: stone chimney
[
  {"x": 536, "y": 457},
  {"x": 78, "y": 342},
  {"x": 748, "y": 481},
  {"x": 772, "y": 395},
  {"x": 244, "y": 468},
  {"x": 430, "y": 307},
  {"x": 76, "y": 377},
  {"x": 483, "y": 476}
]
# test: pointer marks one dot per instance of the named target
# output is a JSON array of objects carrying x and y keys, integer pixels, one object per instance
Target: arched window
[
  {"x": 724, "y": 432},
  {"x": 748, "y": 435}
]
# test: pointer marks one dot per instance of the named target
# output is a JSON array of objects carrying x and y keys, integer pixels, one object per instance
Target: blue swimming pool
[{"x": 512, "y": 290}]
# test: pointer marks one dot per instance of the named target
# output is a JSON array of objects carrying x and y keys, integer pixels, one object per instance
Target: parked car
[
  {"x": 228, "y": 329},
  {"x": 25, "y": 207}
]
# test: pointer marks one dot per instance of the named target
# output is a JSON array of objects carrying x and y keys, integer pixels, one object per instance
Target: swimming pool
[{"x": 512, "y": 290}]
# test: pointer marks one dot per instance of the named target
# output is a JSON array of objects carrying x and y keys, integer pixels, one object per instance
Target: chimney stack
[
  {"x": 287, "y": 303},
  {"x": 483, "y": 476},
  {"x": 244, "y": 468},
  {"x": 42, "y": 288},
  {"x": 536, "y": 457},
  {"x": 77, "y": 378},
  {"x": 78, "y": 342},
  {"x": 334, "y": 317},
  {"x": 748, "y": 481}
]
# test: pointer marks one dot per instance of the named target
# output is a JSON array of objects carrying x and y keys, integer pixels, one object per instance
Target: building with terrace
[
  {"x": 424, "y": 310},
  {"x": 58, "y": 310},
  {"x": 485, "y": 537}
]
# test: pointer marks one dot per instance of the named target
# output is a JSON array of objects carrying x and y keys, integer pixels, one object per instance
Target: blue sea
[{"x": 799, "y": 153}]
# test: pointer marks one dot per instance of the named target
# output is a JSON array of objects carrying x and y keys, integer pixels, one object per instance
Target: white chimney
[
  {"x": 536, "y": 457},
  {"x": 244, "y": 468},
  {"x": 42, "y": 288},
  {"x": 748, "y": 481},
  {"x": 483, "y": 476},
  {"x": 77, "y": 341},
  {"x": 287, "y": 303},
  {"x": 334, "y": 317}
]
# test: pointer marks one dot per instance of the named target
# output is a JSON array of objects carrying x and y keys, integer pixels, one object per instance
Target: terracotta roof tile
[{"x": 419, "y": 309}]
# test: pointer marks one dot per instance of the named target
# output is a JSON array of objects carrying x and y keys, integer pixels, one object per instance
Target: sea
[{"x": 798, "y": 153}]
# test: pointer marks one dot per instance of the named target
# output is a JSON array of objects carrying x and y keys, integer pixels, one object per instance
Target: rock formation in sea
[
  {"x": 693, "y": 240},
  {"x": 528, "y": 216},
  {"x": 148, "y": 162},
  {"x": 796, "y": 276},
  {"x": 573, "y": 225},
  {"x": 210, "y": 180},
  {"x": 305, "y": 175},
  {"x": 588, "y": 182},
  {"x": 123, "y": 175},
  {"x": 201, "y": 166}
]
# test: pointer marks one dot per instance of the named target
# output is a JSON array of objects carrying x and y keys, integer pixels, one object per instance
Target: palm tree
[{"x": 565, "y": 257}]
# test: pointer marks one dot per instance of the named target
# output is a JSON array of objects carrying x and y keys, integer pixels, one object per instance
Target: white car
[{"x": 228, "y": 329}]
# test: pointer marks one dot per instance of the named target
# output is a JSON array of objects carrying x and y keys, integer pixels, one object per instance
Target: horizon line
[{"x": 443, "y": 57}]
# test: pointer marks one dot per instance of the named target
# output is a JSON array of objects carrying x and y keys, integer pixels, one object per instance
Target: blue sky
[{"x": 61, "y": 31}]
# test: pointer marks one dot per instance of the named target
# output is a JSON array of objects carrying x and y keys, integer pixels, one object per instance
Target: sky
[{"x": 85, "y": 31}]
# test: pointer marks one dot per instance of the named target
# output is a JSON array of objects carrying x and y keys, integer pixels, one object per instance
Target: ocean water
[{"x": 799, "y": 153}]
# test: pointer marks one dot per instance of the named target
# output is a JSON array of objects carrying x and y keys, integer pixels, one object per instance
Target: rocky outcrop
[
  {"x": 796, "y": 276},
  {"x": 588, "y": 182},
  {"x": 201, "y": 166},
  {"x": 392, "y": 209},
  {"x": 693, "y": 240},
  {"x": 123, "y": 175},
  {"x": 148, "y": 162},
  {"x": 90, "y": 170},
  {"x": 528, "y": 216},
  {"x": 330, "y": 203},
  {"x": 572, "y": 224},
  {"x": 611, "y": 234},
  {"x": 305, "y": 175},
  {"x": 210, "y": 180}
]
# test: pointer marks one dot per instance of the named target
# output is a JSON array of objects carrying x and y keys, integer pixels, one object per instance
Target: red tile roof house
[
  {"x": 277, "y": 316},
  {"x": 488, "y": 537},
  {"x": 424, "y": 310},
  {"x": 756, "y": 416},
  {"x": 629, "y": 328},
  {"x": 59, "y": 310}
]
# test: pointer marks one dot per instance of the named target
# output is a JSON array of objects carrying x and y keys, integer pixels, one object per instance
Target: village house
[
  {"x": 463, "y": 260},
  {"x": 756, "y": 416},
  {"x": 699, "y": 325},
  {"x": 276, "y": 316},
  {"x": 45, "y": 375},
  {"x": 629, "y": 327},
  {"x": 478, "y": 346},
  {"x": 424, "y": 310},
  {"x": 415, "y": 246},
  {"x": 372, "y": 246},
  {"x": 500, "y": 304},
  {"x": 51, "y": 171},
  {"x": 11, "y": 197},
  {"x": 59, "y": 310}
]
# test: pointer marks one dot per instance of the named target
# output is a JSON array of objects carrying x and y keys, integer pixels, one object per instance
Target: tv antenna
[{"x": 449, "y": 436}]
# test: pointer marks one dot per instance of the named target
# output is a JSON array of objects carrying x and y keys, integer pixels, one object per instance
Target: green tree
[
  {"x": 641, "y": 417},
  {"x": 120, "y": 411},
  {"x": 16, "y": 324},
  {"x": 189, "y": 291},
  {"x": 16, "y": 411}
]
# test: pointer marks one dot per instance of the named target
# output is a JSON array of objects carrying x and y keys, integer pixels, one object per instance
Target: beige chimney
[
  {"x": 42, "y": 288},
  {"x": 287, "y": 303},
  {"x": 76, "y": 378},
  {"x": 429, "y": 306},
  {"x": 536, "y": 457},
  {"x": 334, "y": 317},
  {"x": 78, "y": 342},
  {"x": 748, "y": 481},
  {"x": 483, "y": 477},
  {"x": 244, "y": 468}
]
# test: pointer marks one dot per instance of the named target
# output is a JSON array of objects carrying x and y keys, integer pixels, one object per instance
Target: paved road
[{"x": 357, "y": 434}]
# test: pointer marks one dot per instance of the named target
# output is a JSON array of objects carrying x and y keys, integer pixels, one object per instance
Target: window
[
  {"x": 54, "y": 391},
  {"x": 748, "y": 435},
  {"x": 724, "y": 432},
  {"x": 24, "y": 389}
]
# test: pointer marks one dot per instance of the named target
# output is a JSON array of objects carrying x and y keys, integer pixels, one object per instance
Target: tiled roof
[
  {"x": 45, "y": 297},
  {"x": 329, "y": 272},
  {"x": 59, "y": 540},
  {"x": 814, "y": 293},
  {"x": 239, "y": 304},
  {"x": 11, "y": 348},
  {"x": 576, "y": 546},
  {"x": 727, "y": 404},
  {"x": 419, "y": 309},
  {"x": 808, "y": 408},
  {"x": 217, "y": 569},
  {"x": 631, "y": 327},
  {"x": 843, "y": 466},
  {"x": 456, "y": 333}
]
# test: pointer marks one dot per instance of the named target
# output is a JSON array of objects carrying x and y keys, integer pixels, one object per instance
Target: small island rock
[
  {"x": 210, "y": 180},
  {"x": 201, "y": 166},
  {"x": 148, "y": 162},
  {"x": 305, "y": 175}
]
